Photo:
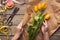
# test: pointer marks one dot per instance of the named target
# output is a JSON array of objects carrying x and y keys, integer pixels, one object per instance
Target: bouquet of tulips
[{"x": 35, "y": 26}]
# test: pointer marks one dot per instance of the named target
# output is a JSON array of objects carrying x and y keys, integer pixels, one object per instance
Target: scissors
[{"x": 8, "y": 21}]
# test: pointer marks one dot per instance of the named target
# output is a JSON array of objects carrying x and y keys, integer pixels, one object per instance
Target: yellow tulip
[
  {"x": 41, "y": 5},
  {"x": 35, "y": 8},
  {"x": 47, "y": 16}
]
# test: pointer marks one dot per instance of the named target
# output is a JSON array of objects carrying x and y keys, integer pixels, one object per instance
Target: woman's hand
[
  {"x": 45, "y": 30},
  {"x": 44, "y": 27},
  {"x": 18, "y": 32}
]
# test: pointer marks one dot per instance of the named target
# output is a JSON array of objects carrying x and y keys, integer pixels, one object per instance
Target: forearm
[
  {"x": 24, "y": 20},
  {"x": 19, "y": 28},
  {"x": 46, "y": 36}
]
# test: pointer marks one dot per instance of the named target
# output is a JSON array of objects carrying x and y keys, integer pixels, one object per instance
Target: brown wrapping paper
[{"x": 53, "y": 22}]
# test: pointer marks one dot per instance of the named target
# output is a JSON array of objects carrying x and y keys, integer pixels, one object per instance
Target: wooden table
[{"x": 16, "y": 20}]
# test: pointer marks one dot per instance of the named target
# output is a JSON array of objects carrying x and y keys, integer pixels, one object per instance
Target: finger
[
  {"x": 45, "y": 24},
  {"x": 42, "y": 29},
  {"x": 46, "y": 21}
]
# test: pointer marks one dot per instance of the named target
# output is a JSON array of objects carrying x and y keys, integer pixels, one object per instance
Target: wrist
[
  {"x": 19, "y": 26},
  {"x": 45, "y": 31}
]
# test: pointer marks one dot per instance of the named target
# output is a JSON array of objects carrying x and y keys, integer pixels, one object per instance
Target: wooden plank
[
  {"x": 17, "y": 18},
  {"x": 5, "y": 37}
]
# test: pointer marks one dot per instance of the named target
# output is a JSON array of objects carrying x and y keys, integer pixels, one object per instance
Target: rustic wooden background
[{"x": 18, "y": 17}]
